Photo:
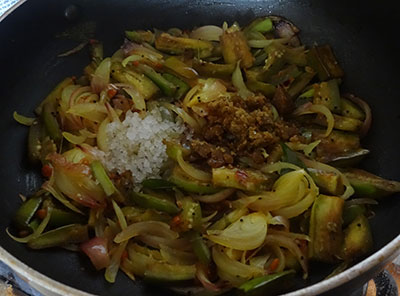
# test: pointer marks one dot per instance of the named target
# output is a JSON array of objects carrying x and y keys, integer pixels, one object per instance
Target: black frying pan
[{"x": 362, "y": 33}]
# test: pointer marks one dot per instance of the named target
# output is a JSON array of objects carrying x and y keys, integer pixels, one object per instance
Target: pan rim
[{"x": 45, "y": 284}]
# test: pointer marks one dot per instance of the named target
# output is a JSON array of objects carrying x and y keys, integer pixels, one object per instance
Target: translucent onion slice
[
  {"x": 183, "y": 114},
  {"x": 74, "y": 139},
  {"x": 310, "y": 108},
  {"x": 101, "y": 76},
  {"x": 191, "y": 170},
  {"x": 210, "y": 33},
  {"x": 283, "y": 241},
  {"x": 156, "y": 228},
  {"x": 238, "y": 82},
  {"x": 137, "y": 98},
  {"x": 233, "y": 271},
  {"x": 102, "y": 141},
  {"x": 23, "y": 119},
  {"x": 92, "y": 111},
  {"x": 297, "y": 208},
  {"x": 216, "y": 197},
  {"x": 247, "y": 233}
]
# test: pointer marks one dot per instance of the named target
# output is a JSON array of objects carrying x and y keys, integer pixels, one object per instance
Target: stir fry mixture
[{"x": 221, "y": 157}]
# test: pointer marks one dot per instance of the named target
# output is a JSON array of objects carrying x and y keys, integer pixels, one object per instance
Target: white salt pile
[{"x": 136, "y": 144}]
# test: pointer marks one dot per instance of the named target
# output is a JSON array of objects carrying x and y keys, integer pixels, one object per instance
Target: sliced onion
[
  {"x": 137, "y": 98},
  {"x": 23, "y": 119},
  {"x": 191, "y": 170},
  {"x": 210, "y": 90},
  {"x": 190, "y": 94},
  {"x": 247, "y": 233},
  {"x": 297, "y": 208},
  {"x": 102, "y": 141},
  {"x": 101, "y": 76},
  {"x": 216, "y": 197},
  {"x": 266, "y": 42},
  {"x": 183, "y": 114},
  {"x": 146, "y": 228},
  {"x": 75, "y": 181},
  {"x": 278, "y": 166},
  {"x": 283, "y": 241},
  {"x": 112, "y": 269},
  {"x": 201, "y": 275},
  {"x": 92, "y": 111},
  {"x": 97, "y": 251},
  {"x": 310, "y": 108},
  {"x": 288, "y": 190},
  {"x": 361, "y": 201},
  {"x": 60, "y": 197},
  {"x": 74, "y": 139},
  {"x": 367, "y": 110},
  {"x": 233, "y": 271},
  {"x": 237, "y": 81},
  {"x": 280, "y": 220},
  {"x": 210, "y": 33}
]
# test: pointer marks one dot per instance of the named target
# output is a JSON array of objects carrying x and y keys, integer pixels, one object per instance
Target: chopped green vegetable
[
  {"x": 166, "y": 87},
  {"x": 181, "y": 87},
  {"x": 157, "y": 184},
  {"x": 327, "y": 93},
  {"x": 322, "y": 60},
  {"x": 69, "y": 234},
  {"x": 181, "y": 180},
  {"x": 26, "y": 212},
  {"x": 140, "y": 36},
  {"x": 101, "y": 175},
  {"x": 368, "y": 185},
  {"x": 350, "y": 213},
  {"x": 152, "y": 202},
  {"x": 200, "y": 248},
  {"x": 178, "y": 45},
  {"x": 267, "y": 283}
]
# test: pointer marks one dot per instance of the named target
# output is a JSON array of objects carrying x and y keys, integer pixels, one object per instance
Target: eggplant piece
[
  {"x": 349, "y": 109},
  {"x": 166, "y": 87},
  {"x": 26, "y": 212},
  {"x": 148, "y": 201},
  {"x": 289, "y": 73},
  {"x": 350, "y": 213},
  {"x": 178, "y": 45},
  {"x": 69, "y": 234},
  {"x": 266, "y": 89},
  {"x": 328, "y": 182},
  {"x": 349, "y": 160},
  {"x": 335, "y": 145},
  {"x": 140, "y": 36},
  {"x": 262, "y": 25},
  {"x": 244, "y": 179},
  {"x": 342, "y": 123},
  {"x": 181, "y": 86},
  {"x": 208, "y": 69},
  {"x": 357, "y": 239},
  {"x": 368, "y": 185},
  {"x": 327, "y": 94},
  {"x": 282, "y": 101},
  {"x": 323, "y": 61},
  {"x": 182, "y": 181},
  {"x": 235, "y": 48},
  {"x": 138, "y": 81},
  {"x": 300, "y": 83},
  {"x": 326, "y": 229}
]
